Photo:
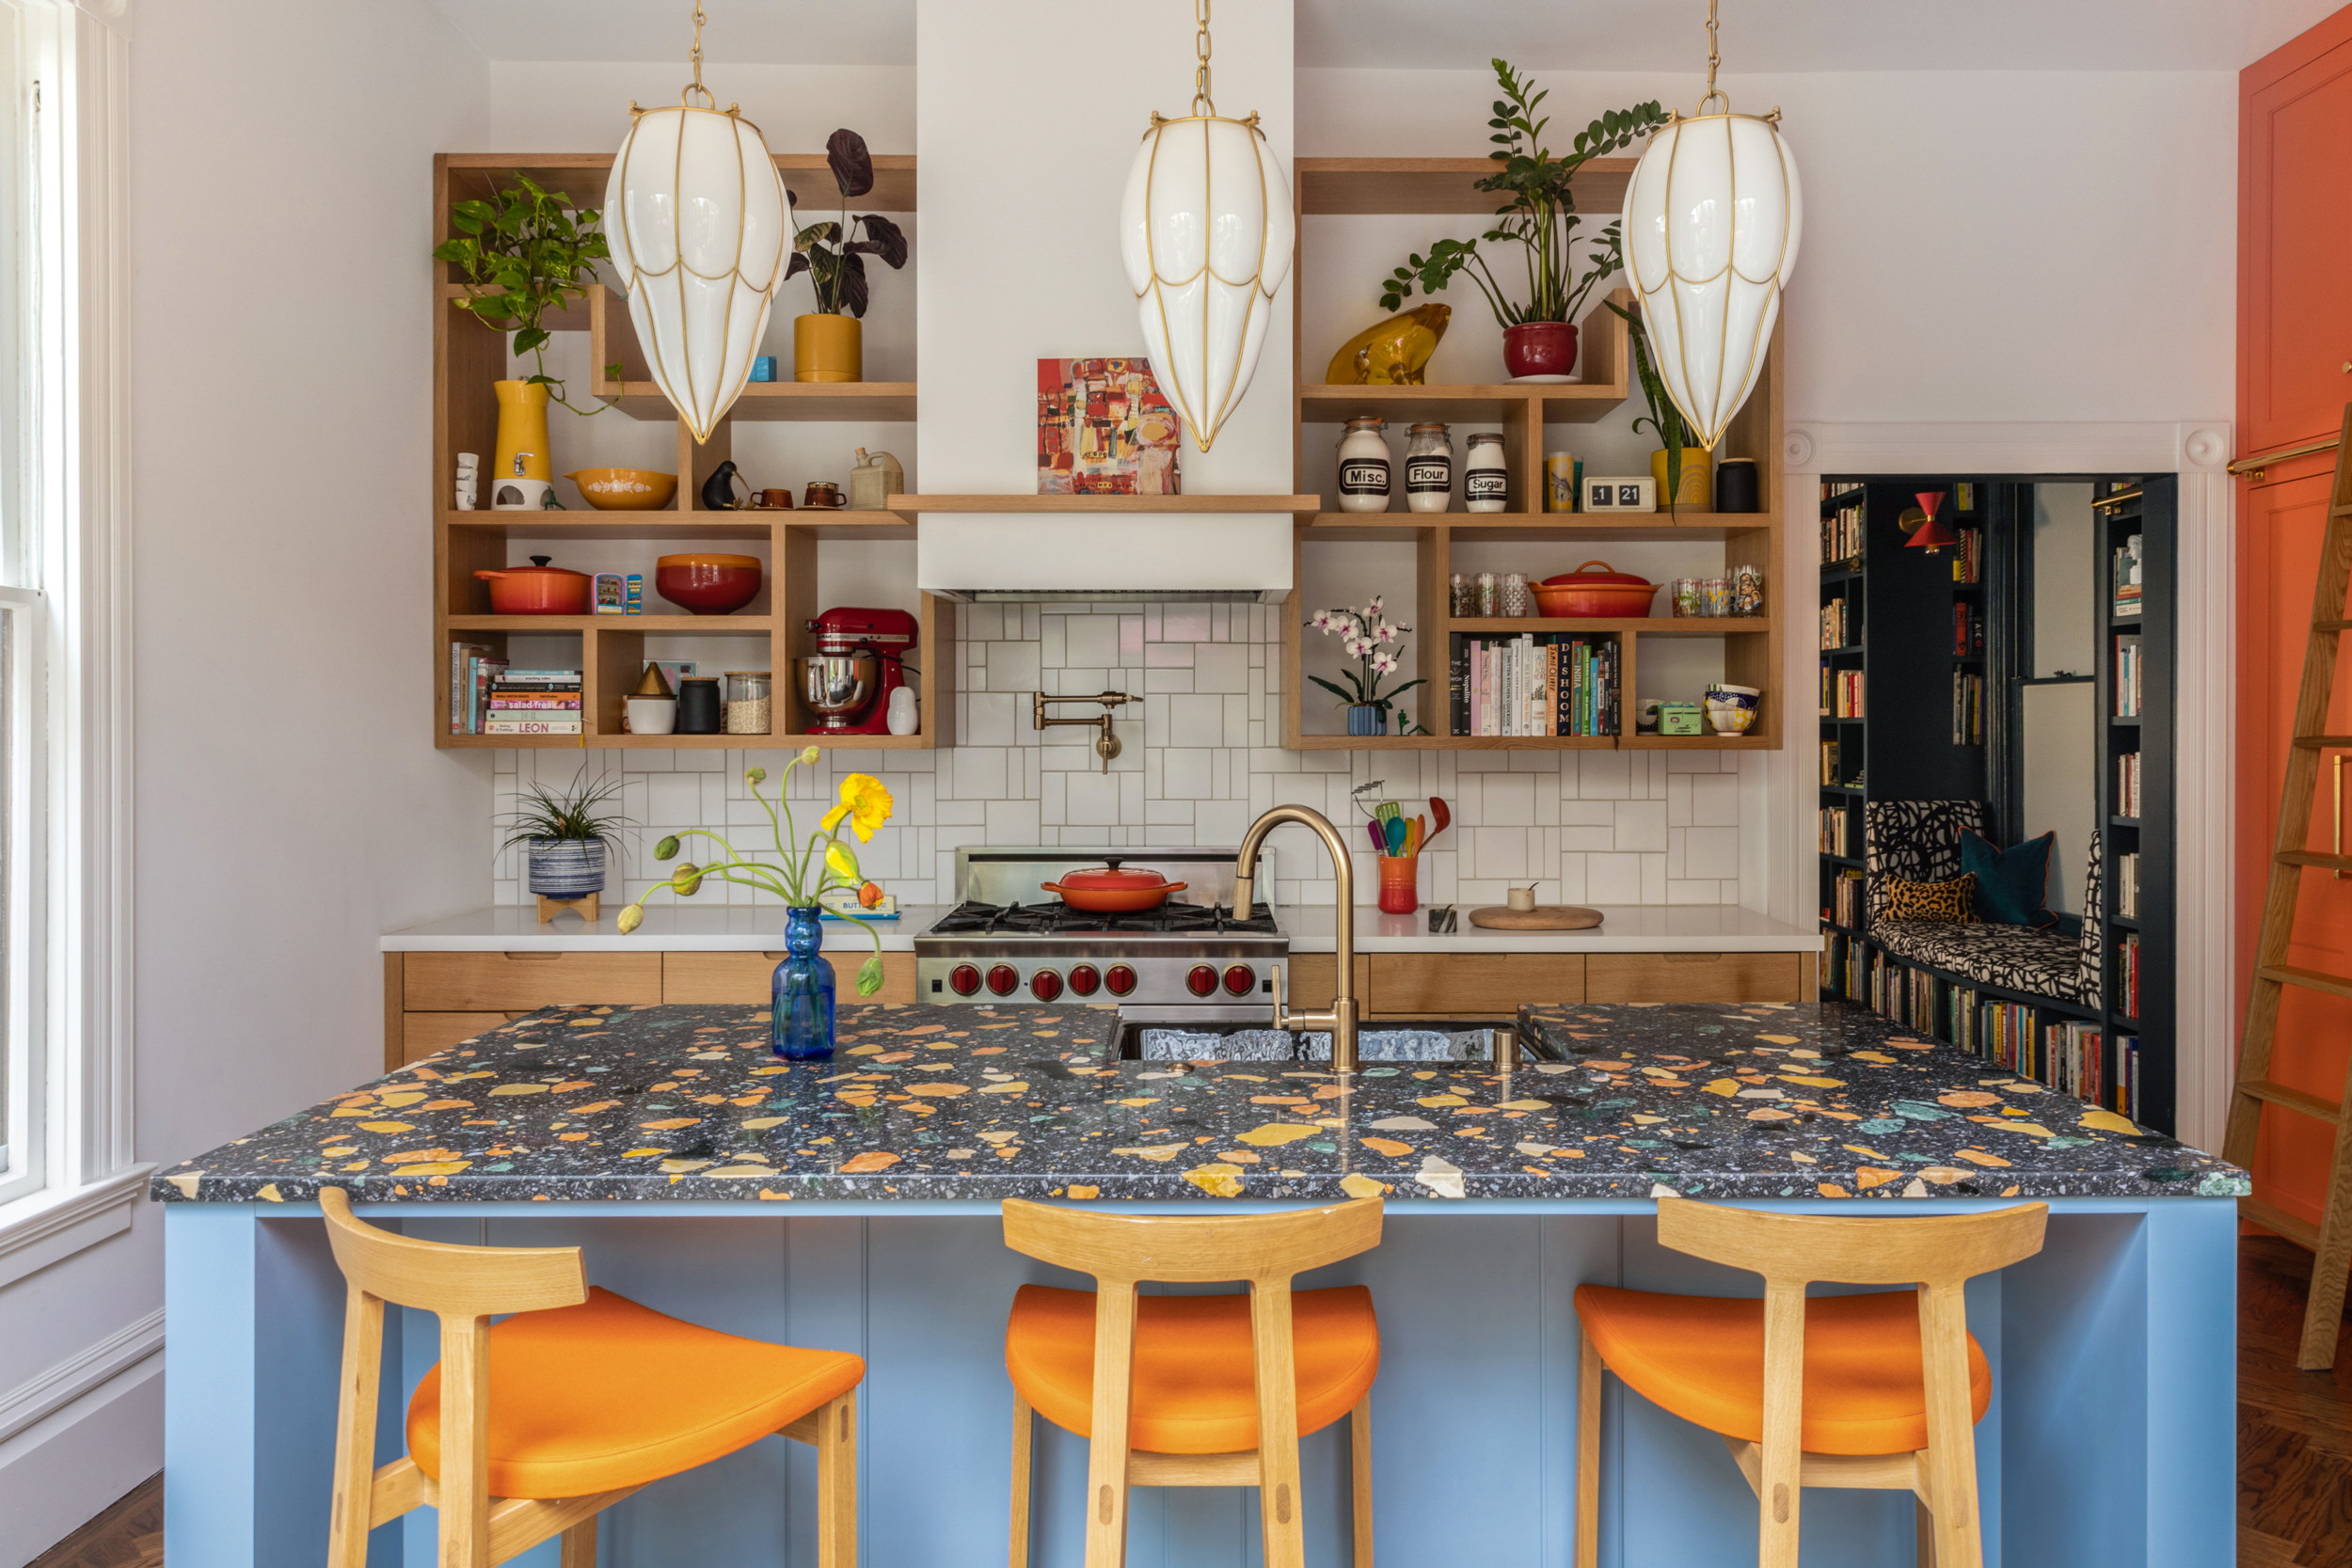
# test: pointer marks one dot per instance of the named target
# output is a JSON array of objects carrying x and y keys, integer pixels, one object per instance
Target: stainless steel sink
[{"x": 1384, "y": 1043}]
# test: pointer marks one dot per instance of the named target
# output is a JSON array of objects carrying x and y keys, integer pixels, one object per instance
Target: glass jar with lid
[
  {"x": 751, "y": 702},
  {"x": 1429, "y": 468},
  {"x": 1364, "y": 466},
  {"x": 1485, "y": 476}
]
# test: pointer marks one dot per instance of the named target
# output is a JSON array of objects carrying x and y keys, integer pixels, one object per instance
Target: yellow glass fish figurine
[{"x": 1391, "y": 353}]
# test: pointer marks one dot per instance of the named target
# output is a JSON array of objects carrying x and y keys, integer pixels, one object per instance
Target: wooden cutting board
[{"x": 1543, "y": 917}]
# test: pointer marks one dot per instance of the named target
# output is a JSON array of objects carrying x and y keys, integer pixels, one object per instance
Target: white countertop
[
  {"x": 676, "y": 928},
  {"x": 760, "y": 927},
  {"x": 1624, "y": 928}
]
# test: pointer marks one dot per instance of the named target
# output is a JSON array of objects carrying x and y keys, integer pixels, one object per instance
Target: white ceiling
[{"x": 1544, "y": 35}]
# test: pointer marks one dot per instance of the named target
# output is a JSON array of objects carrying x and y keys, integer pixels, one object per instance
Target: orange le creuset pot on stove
[
  {"x": 1588, "y": 593},
  {"x": 537, "y": 589},
  {"x": 1114, "y": 889}
]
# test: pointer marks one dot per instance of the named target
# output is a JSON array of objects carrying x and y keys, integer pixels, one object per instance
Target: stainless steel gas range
[{"x": 1191, "y": 960}]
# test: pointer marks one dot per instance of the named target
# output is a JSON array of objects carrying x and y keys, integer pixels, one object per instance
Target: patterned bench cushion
[{"x": 2014, "y": 958}]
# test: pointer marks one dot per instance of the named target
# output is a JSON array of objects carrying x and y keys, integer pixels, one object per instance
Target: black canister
[
  {"x": 1736, "y": 488},
  {"x": 698, "y": 705}
]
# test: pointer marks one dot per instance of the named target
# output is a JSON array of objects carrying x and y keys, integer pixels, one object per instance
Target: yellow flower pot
[
  {"x": 1698, "y": 478},
  {"x": 827, "y": 348}
]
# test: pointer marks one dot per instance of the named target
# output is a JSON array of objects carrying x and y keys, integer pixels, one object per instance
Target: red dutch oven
[
  {"x": 1114, "y": 889},
  {"x": 1588, "y": 593},
  {"x": 537, "y": 589}
]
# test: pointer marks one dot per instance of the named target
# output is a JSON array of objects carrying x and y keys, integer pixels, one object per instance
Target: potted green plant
[
  {"x": 1675, "y": 454},
  {"x": 526, "y": 252},
  {"x": 800, "y": 992},
  {"x": 1539, "y": 216},
  {"x": 828, "y": 344},
  {"x": 568, "y": 835},
  {"x": 1378, "y": 646}
]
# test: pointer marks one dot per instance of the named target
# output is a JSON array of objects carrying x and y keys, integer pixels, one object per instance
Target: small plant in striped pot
[{"x": 567, "y": 835}]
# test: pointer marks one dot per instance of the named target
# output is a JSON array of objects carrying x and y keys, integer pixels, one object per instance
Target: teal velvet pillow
[{"x": 2012, "y": 884}]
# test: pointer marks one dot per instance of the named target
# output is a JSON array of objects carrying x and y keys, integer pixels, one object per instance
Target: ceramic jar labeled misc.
[
  {"x": 1364, "y": 472},
  {"x": 1487, "y": 476},
  {"x": 1429, "y": 468}
]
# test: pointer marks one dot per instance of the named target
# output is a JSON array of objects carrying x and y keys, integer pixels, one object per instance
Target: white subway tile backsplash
[{"x": 1201, "y": 757}]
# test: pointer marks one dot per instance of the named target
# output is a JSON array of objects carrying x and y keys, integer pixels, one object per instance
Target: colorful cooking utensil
[
  {"x": 1380, "y": 839},
  {"x": 1396, "y": 826},
  {"x": 1439, "y": 815}
]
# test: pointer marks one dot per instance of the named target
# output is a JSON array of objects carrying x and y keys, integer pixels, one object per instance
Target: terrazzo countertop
[{"x": 672, "y": 1103}]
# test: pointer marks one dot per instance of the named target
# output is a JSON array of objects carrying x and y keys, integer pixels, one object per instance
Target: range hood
[{"x": 1131, "y": 553}]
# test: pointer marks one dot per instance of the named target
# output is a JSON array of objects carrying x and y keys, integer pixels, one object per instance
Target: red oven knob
[
  {"x": 1200, "y": 980},
  {"x": 1084, "y": 979},
  {"x": 964, "y": 978},
  {"x": 1240, "y": 979},
  {"x": 1121, "y": 980},
  {"x": 1002, "y": 978},
  {"x": 1045, "y": 985}
]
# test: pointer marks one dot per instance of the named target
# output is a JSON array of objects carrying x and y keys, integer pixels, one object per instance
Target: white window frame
[{"x": 80, "y": 1180}]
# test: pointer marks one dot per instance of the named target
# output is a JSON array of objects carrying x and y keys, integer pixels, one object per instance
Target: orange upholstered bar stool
[
  {"x": 1880, "y": 1390},
  {"x": 1193, "y": 1391},
  {"x": 532, "y": 1428}
]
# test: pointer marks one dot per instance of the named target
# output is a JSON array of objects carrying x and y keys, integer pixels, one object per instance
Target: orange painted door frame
[{"x": 2295, "y": 375}]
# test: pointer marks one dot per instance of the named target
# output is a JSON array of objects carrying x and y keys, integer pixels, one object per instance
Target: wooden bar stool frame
[
  {"x": 465, "y": 1287},
  {"x": 1121, "y": 1251},
  {"x": 1939, "y": 1255}
]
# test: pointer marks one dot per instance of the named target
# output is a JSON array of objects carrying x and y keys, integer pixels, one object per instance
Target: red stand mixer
[{"x": 859, "y": 660}]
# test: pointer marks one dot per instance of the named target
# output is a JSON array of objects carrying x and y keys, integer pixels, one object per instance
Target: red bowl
[{"x": 708, "y": 584}]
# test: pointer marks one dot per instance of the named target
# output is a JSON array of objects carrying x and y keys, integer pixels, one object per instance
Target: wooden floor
[
  {"x": 2295, "y": 1443},
  {"x": 130, "y": 1534},
  {"x": 2294, "y": 1427}
]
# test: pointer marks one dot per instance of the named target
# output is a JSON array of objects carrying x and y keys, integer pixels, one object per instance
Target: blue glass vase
[{"x": 801, "y": 1011}]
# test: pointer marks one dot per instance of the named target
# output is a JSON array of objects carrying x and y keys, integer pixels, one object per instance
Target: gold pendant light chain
[
  {"x": 695, "y": 56},
  {"x": 1714, "y": 95},
  {"x": 1201, "y": 102}
]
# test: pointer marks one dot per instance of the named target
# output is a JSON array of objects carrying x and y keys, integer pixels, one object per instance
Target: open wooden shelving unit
[
  {"x": 1751, "y": 645},
  {"x": 468, "y": 358}
]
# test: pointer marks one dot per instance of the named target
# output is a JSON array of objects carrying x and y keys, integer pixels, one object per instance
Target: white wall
[{"x": 289, "y": 803}]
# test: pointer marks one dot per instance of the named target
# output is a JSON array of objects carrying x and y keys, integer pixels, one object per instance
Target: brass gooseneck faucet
[{"x": 1345, "y": 1010}]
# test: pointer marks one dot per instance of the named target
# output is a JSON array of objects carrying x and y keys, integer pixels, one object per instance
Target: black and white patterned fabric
[
  {"x": 2021, "y": 959},
  {"x": 1916, "y": 840}
]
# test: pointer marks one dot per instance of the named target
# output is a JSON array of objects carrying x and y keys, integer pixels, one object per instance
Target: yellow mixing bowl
[{"x": 625, "y": 490}]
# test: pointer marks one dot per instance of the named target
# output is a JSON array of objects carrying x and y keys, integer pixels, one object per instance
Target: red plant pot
[
  {"x": 1539, "y": 348},
  {"x": 1400, "y": 884},
  {"x": 708, "y": 584}
]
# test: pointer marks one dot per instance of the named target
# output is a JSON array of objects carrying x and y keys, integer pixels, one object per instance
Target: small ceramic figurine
[
  {"x": 719, "y": 489},
  {"x": 1391, "y": 353}
]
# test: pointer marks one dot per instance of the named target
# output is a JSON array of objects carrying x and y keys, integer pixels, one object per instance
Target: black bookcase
[{"x": 1915, "y": 634}]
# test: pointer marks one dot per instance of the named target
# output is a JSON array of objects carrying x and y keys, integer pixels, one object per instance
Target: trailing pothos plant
[
  {"x": 525, "y": 252},
  {"x": 1538, "y": 214},
  {"x": 1665, "y": 419},
  {"x": 834, "y": 261}
]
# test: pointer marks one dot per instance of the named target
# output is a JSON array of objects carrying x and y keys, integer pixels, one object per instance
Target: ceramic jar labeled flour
[
  {"x": 1364, "y": 466},
  {"x": 1428, "y": 469}
]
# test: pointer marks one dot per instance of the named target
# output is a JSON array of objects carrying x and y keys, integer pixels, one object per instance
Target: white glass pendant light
[
  {"x": 700, "y": 228},
  {"x": 1205, "y": 231},
  {"x": 1712, "y": 221}
]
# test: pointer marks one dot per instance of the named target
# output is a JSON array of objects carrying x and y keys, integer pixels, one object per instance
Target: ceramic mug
[
  {"x": 781, "y": 500},
  {"x": 652, "y": 715}
]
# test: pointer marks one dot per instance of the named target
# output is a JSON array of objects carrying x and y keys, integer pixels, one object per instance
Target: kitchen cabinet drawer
[
  {"x": 744, "y": 977},
  {"x": 518, "y": 982},
  {"x": 422, "y": 1034},
  {"x": 1308, "y": 978},
  {"x": 1692, "y": 978},
  {"x": 1470, "y": 985}
]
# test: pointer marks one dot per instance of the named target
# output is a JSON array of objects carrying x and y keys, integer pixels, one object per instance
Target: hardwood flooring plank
[
  {"x": 128, "y": 1534},
  {"x": 2257, "y": 1550}
]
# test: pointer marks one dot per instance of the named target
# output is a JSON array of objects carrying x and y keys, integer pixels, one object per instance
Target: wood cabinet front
[
  {"x": 1470, "y": 985},
  {"x": 421, "y": 1035},
  {"x": 745, "y": 977},
  {"x": 1692, "y": 978},
  {"x": 518, "y": 982}
]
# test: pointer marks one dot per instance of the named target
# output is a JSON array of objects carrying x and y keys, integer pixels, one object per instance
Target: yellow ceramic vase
[
  {"x": 522, "y": 450},
  {"x": 1698, "y": 478},
  {"x": 827, "y": 348}
]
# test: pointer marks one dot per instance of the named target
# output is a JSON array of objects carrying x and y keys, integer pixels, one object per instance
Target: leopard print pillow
[{"x": 1951, "y": 903}]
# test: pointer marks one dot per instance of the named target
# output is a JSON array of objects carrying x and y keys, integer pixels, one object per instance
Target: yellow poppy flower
[{"x": 865, "y": 802}]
